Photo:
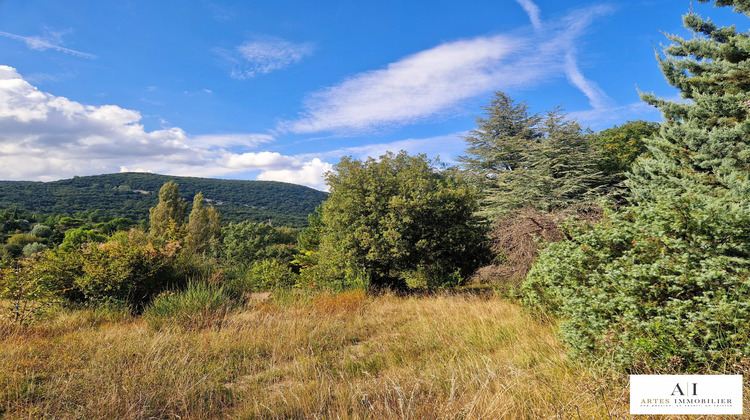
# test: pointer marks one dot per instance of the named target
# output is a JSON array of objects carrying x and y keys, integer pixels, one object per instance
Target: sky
[{"x": 281, "y": 90}]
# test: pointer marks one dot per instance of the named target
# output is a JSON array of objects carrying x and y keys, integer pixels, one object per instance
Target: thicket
[{"x": 663, "y": 284}]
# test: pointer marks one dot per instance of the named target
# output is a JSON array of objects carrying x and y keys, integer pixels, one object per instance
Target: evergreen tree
[
  {"x": 528, "y": 160},
  {"x": 204, "y": 226},
  {"x": 664, "y": 282},
  {"x": 704, "y": 144},
  {"x": 168, "y": 216},
  {"x": 501, "y": 138}
]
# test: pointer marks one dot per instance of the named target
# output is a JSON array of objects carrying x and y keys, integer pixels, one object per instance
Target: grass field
[{"x": 329, "y": 356}]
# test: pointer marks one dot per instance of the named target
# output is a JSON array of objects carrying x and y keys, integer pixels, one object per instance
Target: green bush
[
  {"x": 261, "y": 276},
  {"x": 247, "y": 242},
  {"x": 75, "y": 238},
  {"x": 33, "y": 248},
  {"x": 27, "y": 296},
  {"x": 22, "y": 239},
  {"x": 127, "y": 268},
  {"x": 333, "y": 276},
  {"x": 41, "y": 231},
  {"x": 656, "y": 285},
  {"x": 198, "y": 306}
]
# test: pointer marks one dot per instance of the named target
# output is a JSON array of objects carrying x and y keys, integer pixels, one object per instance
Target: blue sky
[{"x": 280, "y": 90}]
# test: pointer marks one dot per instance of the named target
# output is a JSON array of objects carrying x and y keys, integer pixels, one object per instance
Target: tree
[
  {"x": 621, "y": 145},
  {"x": 663, "y": 283},
  {"x": 204, "y": 226},
  {"x": 501, "y": 138},
  {"x": 398, "y": 217},
  {"x": 531, "y": 161},
  {"x": 169, "y": 215}
]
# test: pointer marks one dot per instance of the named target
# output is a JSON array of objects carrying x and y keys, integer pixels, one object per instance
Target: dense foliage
[
  {"x": 665, "y": 282},
  {"x": 131, "y": 195},
  {"x": 528, "y": 160},
  {"x": 397, "y": 218}
]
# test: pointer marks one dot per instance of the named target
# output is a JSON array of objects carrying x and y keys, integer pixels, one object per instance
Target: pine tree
[
  {"x": 168, "y": 216},
  {"x": 528, "y": 160},
  {"x": 204, "y": 226},
  {"x": 502, "y": 136},
  {"x": 664, "y": 282},
  {"x": 704, "y": 144}
]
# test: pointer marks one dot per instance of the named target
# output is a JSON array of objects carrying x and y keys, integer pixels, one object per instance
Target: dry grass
[{"x": 333, "y": 356}]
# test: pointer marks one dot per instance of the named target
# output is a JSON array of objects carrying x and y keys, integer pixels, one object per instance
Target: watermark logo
[{"x": 685, "y": 394}]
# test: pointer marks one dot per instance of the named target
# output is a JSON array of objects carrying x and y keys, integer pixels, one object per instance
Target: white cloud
[
  {"x": 264, "y": 55},
  {"x": 45, "y": 137},
  {"x": 447, "y": 147},
  {"x": 436, "y": 81},
  {"x": 532, "y": 10},
  {"x": 598, "y": 99},
  {"x": 602, "y": 118},
  {"x": 242, "y": 140},
  {"x": 421, "y": 85},
  {"x": 310, "y": 173},
  {"x": 260, "y": 160},
  {"x": 51, "y": 40}
]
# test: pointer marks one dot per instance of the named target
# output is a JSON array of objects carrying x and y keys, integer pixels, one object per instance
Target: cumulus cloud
[
  {"x": 51, "y": 40},
  {"x": 310, "y": 173},
  {"x": 46, "y": 137},
  {"x": 264, "y": 55},
  {"x": 437, "y": 81}
]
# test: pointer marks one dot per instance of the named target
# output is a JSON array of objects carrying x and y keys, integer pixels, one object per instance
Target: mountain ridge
[{"x": 131, "y": 194}]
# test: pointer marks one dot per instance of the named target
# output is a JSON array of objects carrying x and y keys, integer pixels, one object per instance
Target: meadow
[{"x": 346, "y": 355}]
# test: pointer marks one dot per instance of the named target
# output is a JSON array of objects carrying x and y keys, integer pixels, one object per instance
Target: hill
[{"x": 132, "y": 194}]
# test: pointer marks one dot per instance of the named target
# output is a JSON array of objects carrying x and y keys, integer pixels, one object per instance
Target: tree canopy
[{"x": 399, "y": 216}]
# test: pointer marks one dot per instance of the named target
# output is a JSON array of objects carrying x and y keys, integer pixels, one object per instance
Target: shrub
[
  {"x": 10, "y": 252},
  {"x": 75, "y": 238},
  {"x": 127, "y": 268},
  {"x": 198, "y": 306},
  {"x": 22, "y": 239},
  {"x": 33, "y": 248},
  {"x": 658, "y": 285},
  {"x": 261, "y": 276},
  {"x": 27, "y": 295},
  {"x": 41, "y": 231},
  {"x": 332, "y": 276}
]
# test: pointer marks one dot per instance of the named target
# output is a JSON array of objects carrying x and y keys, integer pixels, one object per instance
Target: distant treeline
[{"x": 131, "y": 195}]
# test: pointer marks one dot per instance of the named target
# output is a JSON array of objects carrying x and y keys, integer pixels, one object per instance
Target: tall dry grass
[{"x": 330, "y": 356}]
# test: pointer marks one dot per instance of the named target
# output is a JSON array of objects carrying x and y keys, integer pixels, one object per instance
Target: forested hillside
[{"x": 132, "y": 194}]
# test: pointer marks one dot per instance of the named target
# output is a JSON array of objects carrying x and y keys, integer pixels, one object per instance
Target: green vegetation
[
  {"x": 100, "y": 197},
  {"x": 629, "y": 249},
  {"x": 662, "y": 284},
  {"x": 525, "y": 160},
  {"x": 398, "y": 218}
]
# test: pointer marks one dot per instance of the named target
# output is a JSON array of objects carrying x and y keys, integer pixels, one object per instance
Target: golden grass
[{"x": 332, "y": 356}]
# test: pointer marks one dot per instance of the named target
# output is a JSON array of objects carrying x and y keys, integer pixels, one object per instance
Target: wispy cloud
[
  {"x": 425, "y": 84},
  {"x": 264, "y": 55},
  {"x": 602, "y": 118},
  {"x": 447, "y": 147},
  {"x": 51, "y": 40},
  {"x": 597, "y": 97},
  {"x": 533, "y": 11},
  {"x": 439, "y": 80}
]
